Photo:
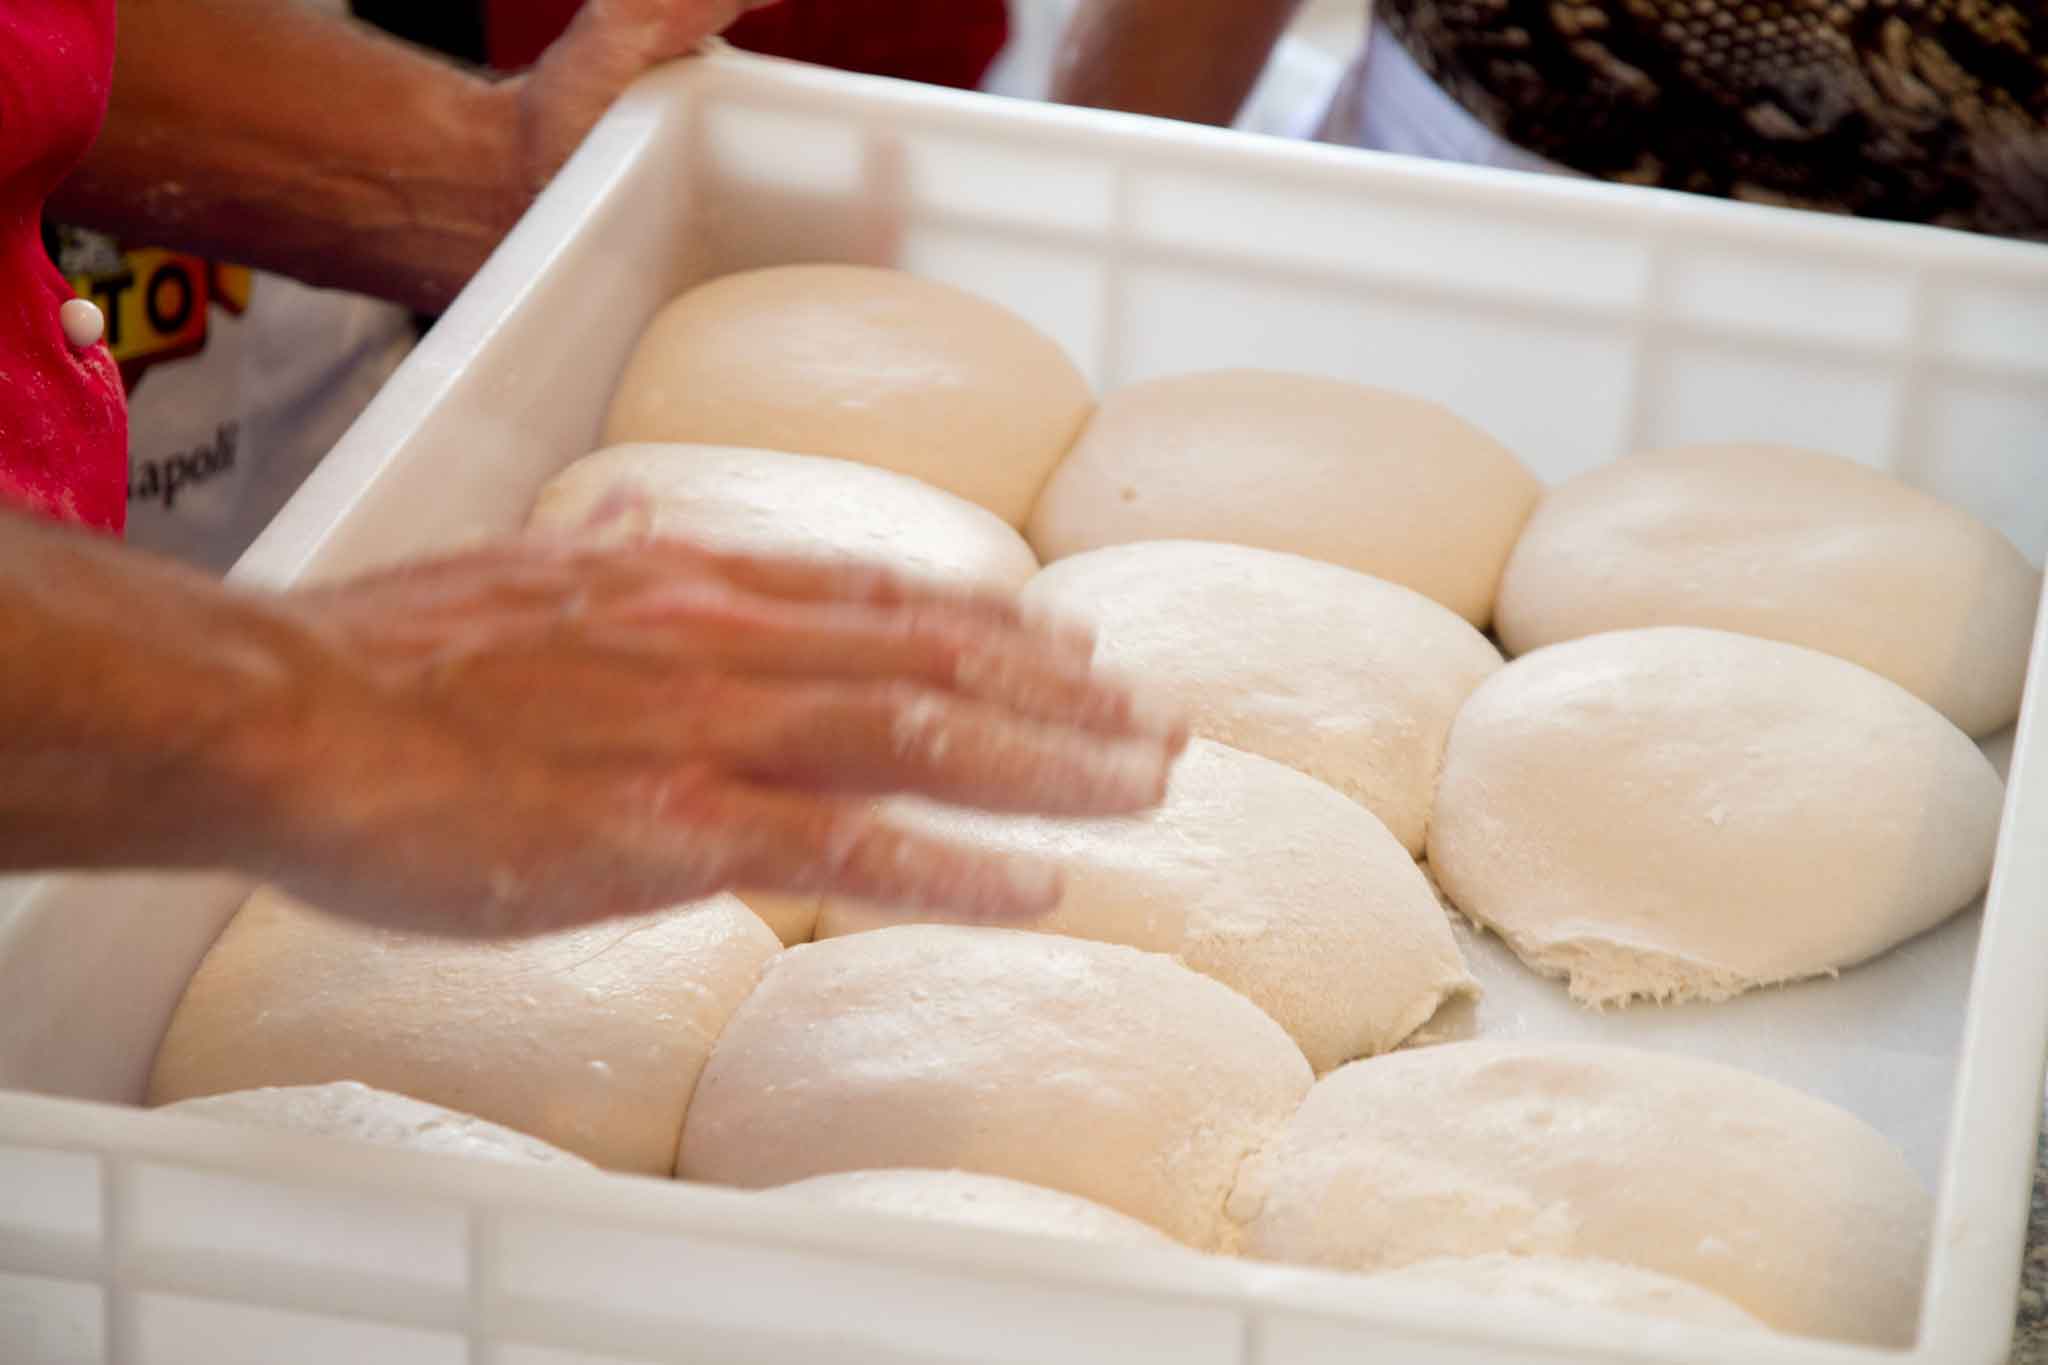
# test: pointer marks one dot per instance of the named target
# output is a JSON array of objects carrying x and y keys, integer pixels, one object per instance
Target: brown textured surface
[
  {"x": 2030, "y": 1330},
  {"x": 1924, "y": 110}
]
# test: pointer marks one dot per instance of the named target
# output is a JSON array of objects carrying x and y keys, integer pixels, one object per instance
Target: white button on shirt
[{"x": 83, "y": 322}]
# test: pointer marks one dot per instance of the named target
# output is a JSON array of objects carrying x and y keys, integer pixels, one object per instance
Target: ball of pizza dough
[
  {"x": 1250, "y": 873},
  {"x": 348, "y": 1109},
  {"x": 1556, "y": 1282},
  {"x": 1392, "y": 486},
  {"x": 1790, "y": 545},
  {"x": 590, "y": 1039},
  {"x": 1098, "y": 1070},
  {"x": 1348, "y": 678},
  {"x": 863, "y": 364},
  {"x": 1794, "y": 1210},
  {"x": 971, "y": 1200},
  {"x": 1680, "y": 814},
  {"x": 798, "y": 507}
]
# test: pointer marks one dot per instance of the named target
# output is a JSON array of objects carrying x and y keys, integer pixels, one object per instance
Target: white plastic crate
[{"x": 1573, "y": 320}]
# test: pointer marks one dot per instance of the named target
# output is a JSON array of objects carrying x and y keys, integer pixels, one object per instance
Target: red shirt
[
  {"x": 940, "y": 42},
  {"x": 63, "y": 423}
]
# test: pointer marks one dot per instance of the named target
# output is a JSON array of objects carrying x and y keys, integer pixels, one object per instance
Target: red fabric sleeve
[{"x": 63, "y": 422}]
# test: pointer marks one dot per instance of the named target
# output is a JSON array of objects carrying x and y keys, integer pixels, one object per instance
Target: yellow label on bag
[
  {"x": 156, "y": 304},
  {"x": 231, "y": 287}
]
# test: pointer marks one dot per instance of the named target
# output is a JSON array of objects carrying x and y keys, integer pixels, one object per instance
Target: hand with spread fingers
[
  {"x": 613, "y": 729},
  {"x": 526, "y": 735}
]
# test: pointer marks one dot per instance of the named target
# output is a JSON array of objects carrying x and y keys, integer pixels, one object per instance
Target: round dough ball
[
  {"x": 590, "y": 1038},
  {"x": 1108, "y": 1073},
  {"x": 1250, "y": 873},
  {"x": 347, "y": 1109},
  {"x": 803, "y": 507},
  {"x": 1789, "y": 545},
  {"x": 982, "y": 1201},
  {"x": 1392, "y": 486},
  {"x": 1795, "y": 1210},
  {"x": 1685, "y": 814},
  {"x": 1554, "y": 1282},
  {"x": 863, "y": 364},
  {"x": 1347, "y": 678}
]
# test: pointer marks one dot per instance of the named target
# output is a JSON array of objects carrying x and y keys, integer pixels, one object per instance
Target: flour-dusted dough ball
[
  {"x": 982, "y": 1201},
  {"x": 802, "y": 507},
  {"x": 1792, "y": 1209},
  {"x": 1347, "y": 678},
  {"x": 1099, "y": 1070},
  {"x": 1396, "y": 487},
  {"x": 346, "y": 1109},
  {"x": 1559, "y": 1283},
  {"x": 1685, "y": 814},
  {"x": 864, "y": 364},
  {"x": 1250, "y": 873},
  {"x": 1789, "y": 545},
  {"x": 590, "y": 1039}
]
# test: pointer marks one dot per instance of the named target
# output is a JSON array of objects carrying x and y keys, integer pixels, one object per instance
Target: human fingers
[
  {"x": 1014, "y": 669},
  {"x": 894, "y": 738},
  {"x": 778, "y": 841},
  {"x": 819, "y": 580}
]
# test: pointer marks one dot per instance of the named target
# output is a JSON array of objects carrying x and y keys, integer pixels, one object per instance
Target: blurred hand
[
  {"x": 610, "y": 44},
  {"x": 535, "y": 735}
]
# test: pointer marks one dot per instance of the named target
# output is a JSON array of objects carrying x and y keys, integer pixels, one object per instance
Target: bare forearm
[
  {"x": 265, "y": 133},
  {"x": 140, "y": 706},
  {"x": 1187, "y": 59}
]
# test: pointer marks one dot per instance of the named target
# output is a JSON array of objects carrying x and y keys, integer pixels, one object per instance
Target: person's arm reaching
[
  {"x": 525, "y": 736},
  {"x": 1194, "y": 60},
  {"x": 266, "y": 133}
]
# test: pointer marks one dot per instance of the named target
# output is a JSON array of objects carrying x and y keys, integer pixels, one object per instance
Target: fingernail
[
  {"x": 1138, "y": 708},
  {"x": 1033, "y": 884},
  {"x": 1068, "y": 637},
  {"x": 1151, "y": 714},
  {"x": 1132, "y": 774}
]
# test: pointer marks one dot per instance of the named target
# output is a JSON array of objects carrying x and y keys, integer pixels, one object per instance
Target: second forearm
[
  {"x": 142, "y": 707},
  {"x": 1194, "y": 60},
  {"x": 273, "y": 136}
]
